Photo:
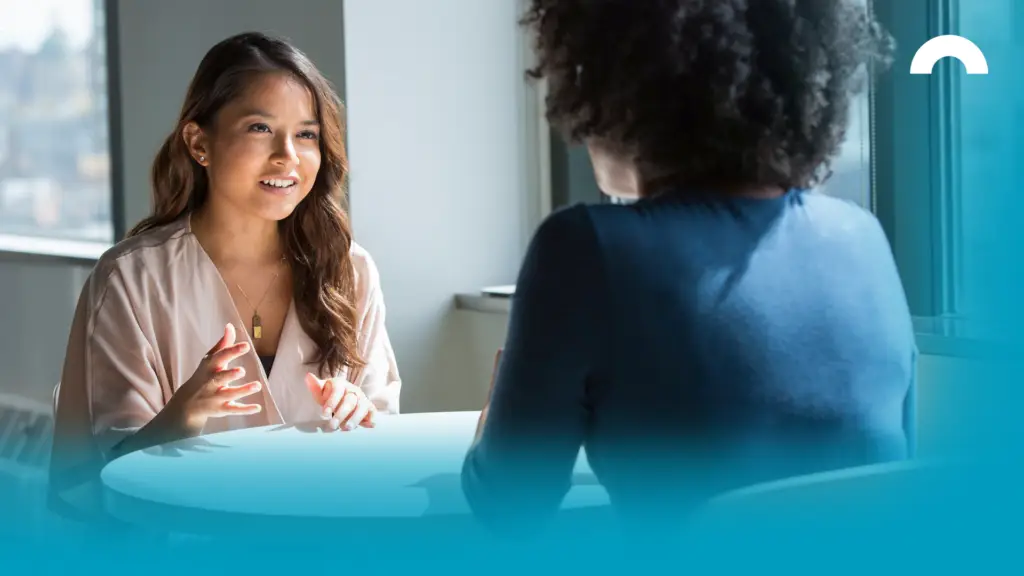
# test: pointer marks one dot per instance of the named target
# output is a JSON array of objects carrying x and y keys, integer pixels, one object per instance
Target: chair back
[{"x": 823, "y": 506}]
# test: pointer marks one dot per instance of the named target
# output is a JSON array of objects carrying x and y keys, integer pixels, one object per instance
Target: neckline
[
  {"x": 671, "y": 195},
  {"x": 238, "y": 320}
]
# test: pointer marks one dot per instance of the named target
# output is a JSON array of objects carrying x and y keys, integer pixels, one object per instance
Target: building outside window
[{"x": 55, "y": 165}]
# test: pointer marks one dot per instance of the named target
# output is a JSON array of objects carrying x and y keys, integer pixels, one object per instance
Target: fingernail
[
  {"x": 349, "y": 426},
  {"x": 334, "y": 423}
]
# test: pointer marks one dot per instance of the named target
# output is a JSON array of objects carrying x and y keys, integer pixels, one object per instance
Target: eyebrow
[{"x": 263, "y": 114}]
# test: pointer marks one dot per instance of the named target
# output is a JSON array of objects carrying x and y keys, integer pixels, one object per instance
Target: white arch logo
[{"x": 952, "y": 46}]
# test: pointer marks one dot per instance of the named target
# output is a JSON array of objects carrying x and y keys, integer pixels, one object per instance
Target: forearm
[
  {"x": 512, "y": 494},
  {"x": 169, "y": 425},
  {"x": 514, "y": 477},
  {"x": 480, "y": 427}
]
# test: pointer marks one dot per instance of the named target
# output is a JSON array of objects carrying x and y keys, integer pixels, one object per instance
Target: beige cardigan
[{"x": 150, "y": 310}]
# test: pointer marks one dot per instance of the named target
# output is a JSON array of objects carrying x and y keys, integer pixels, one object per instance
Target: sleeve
[
  {"x": 109, "y": 386},
  {"x": 379, "y": 378},
  {"x": 516, "y": 476},
  {"x": 899, "y": 313},
  {"x": 125, "y": 389}
]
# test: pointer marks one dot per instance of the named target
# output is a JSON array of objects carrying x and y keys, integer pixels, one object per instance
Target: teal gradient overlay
[{"x": 915, "y": 520}]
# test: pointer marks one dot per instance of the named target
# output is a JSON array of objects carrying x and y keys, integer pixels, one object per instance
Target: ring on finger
[{"x": 358, "y": 414}]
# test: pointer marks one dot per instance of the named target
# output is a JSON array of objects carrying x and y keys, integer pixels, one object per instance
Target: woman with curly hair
[
  {"x": 247, "y": 259},
  {"x": 730, "y": 326}
]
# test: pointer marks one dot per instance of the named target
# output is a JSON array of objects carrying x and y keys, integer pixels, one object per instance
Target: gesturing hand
[
  {"x": 344, "y": 404},
  {"x": 208, "y": 393}
]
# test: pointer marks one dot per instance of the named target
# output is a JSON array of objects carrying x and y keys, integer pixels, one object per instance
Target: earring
[{"x": 202, "y": 159}]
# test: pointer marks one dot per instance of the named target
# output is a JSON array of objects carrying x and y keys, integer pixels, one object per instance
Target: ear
[{"x": 197, "y": 143}]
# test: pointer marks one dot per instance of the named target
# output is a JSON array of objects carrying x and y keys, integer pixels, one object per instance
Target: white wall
[
  {"x": 37, "y": 301},
  {"x": 439, "y": 195}
]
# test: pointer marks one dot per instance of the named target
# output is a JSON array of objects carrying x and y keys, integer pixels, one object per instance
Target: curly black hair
[{"x": 716, "y": 94}]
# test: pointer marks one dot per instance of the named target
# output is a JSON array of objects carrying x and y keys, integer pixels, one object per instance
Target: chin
[
  {"x": 277, "y": 213},
  {"x": 278, "y": 207},
  {"x": 281, "y": 215}
]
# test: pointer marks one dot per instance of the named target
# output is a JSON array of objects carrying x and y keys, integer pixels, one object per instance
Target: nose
[{"x": 284, "y": 153}]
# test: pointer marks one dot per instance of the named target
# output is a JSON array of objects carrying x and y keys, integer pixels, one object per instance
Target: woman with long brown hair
[{"x": 248, "y": 258}]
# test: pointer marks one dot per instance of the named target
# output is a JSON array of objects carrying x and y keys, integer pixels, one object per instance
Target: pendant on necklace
[{"x": 257, "y": 327}]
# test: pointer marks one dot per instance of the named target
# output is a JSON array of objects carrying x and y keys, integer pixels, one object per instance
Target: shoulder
[
  {"x": 840, "y": 222},
  {"x": 129, "y": 260},
  {"x": 564, "y": 246},
  {"x": 367, "y": 276},
  {"x": 567, "y": 228},
  {"x": 833, "y": 210}
]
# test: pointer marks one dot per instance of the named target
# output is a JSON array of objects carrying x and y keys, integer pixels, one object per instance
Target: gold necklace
[{"x": 257, "y": 322}]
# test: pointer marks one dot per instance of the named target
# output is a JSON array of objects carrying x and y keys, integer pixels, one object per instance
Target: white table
[{"x": 408, "y": 467}]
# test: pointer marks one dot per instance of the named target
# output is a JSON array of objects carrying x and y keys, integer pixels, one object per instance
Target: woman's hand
[
  {"x": 209, "y": 393},
  {"x": 344, "y": 404}
]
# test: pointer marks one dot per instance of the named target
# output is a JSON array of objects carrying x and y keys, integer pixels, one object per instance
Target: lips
[{"x": 280, "y": 185}]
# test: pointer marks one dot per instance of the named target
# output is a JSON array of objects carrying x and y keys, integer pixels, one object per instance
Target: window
[
  {"x": 944, "y": 149},
  {"x": 573, "y": 178},
  {"x": 851, "y": 177},
  {"x": 55, "y": 160},
  {"x": 987, "y": 114},
  {"x": 906, "y": 175},
  {"x": 572, "y": 175},
  {"x": 931, "y": 156},
  {"x": 851, "y": 168}
]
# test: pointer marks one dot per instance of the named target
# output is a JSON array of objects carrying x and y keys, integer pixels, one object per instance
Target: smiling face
[{"x": 262, "y": 153}]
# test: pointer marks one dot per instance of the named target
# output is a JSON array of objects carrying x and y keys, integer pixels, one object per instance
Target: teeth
[{"x": 278, "y": 183}]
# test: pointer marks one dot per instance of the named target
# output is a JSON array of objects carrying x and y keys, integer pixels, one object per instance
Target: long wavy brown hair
[{"x": 317, "y": 236}]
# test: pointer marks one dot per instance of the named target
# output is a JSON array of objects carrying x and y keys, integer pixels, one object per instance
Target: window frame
[
  {"x": 536, "y": 135},
  {"x": 917, "y": 187},
  {"x": 32, "y": 249}
]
